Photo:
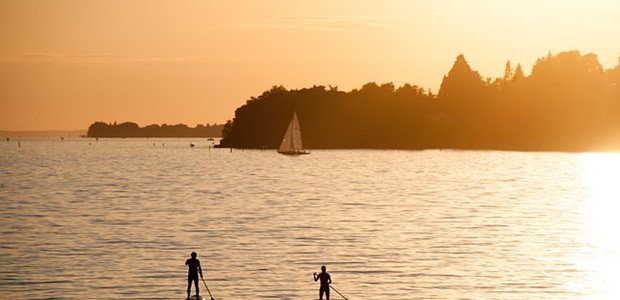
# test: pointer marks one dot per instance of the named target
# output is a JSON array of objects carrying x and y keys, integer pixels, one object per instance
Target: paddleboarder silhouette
[
  {"x": 325, "y": 281},
  {"x": 192, "y": 275}
]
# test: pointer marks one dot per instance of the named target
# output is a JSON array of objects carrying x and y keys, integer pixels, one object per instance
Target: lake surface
[{"x": 117, "y": 218}]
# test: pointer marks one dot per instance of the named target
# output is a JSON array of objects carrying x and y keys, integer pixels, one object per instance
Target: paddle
[
  {"x": 203, "y": 281},
  {"x": 345, "y": 298}
]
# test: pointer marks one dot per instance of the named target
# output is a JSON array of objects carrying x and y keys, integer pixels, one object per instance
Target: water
[{"x": 116, "y": 219}]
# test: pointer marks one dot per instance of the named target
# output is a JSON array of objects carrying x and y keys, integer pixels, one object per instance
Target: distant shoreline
[
  {"x": 42, "y": 133},
  {"x": 133, "y": 130},
  {"x": 63, "y": 134}
]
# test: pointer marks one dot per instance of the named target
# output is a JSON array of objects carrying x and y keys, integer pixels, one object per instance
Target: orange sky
[{"x": 67, "y": 64}]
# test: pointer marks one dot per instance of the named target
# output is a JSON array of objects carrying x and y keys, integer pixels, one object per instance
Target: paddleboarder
[
  {"x": 192, "y": 275},
  {"x": 325, "y": 281}
]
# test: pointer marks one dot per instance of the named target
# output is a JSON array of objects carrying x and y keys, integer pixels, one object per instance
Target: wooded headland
[{"x": 567, "y": 103}]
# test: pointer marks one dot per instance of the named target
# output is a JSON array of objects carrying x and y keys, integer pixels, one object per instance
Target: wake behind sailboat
[{"x": 291, "y": 142}]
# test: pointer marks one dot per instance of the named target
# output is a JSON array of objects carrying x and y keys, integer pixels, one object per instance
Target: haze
[{"x": 67, "y": 64}]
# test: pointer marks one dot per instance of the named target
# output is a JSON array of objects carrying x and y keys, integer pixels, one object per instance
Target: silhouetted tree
[{"x": 464, "y": 97}]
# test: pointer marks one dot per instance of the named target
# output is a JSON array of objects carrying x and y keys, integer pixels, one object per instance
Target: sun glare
[
  {"x": 601, "y": 220},
  {"x": 601, "y": 177}
]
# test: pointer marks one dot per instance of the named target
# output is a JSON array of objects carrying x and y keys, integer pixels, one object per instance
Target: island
[{"x": 130, "y": 129}]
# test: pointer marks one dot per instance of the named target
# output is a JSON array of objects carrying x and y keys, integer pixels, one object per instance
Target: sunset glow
[
  {"x": 66, "y": 64},
  {"x": 413, "y": 149}
]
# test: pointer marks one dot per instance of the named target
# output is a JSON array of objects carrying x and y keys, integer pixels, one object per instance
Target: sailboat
[{"x": 291, "y": 142}]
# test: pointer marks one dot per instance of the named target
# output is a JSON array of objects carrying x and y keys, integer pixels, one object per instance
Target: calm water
[{"x": 116, "y": 219}]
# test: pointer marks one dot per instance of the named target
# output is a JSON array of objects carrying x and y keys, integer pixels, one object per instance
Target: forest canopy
[{"x": 567, "y": 103}]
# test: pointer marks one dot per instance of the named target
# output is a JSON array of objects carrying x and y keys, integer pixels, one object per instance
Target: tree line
[
  {"x": 567, "y": 103},
  {"x": 130, "y": 129}
]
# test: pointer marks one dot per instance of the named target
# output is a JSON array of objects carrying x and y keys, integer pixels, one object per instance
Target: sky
[{"x": 66, "y": 64}]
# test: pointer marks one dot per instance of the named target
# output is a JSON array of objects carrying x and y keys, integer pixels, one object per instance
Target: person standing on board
[
  {"x": 192, "y": 275},
  {"x": 325, "y": 281}
]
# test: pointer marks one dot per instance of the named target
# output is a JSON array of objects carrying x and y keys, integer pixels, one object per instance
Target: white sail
[{"x": 291, "y": 142}]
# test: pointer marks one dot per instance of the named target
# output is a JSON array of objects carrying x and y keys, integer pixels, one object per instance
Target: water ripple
[{"x": 117, "y": 219}]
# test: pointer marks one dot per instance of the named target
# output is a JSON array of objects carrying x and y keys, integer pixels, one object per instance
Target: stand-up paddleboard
[{"x": 200, "y": 298}]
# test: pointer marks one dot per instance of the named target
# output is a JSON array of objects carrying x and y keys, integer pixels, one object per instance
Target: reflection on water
[
  {"x": 601, "y": 220},
  {"x": 116, "y": 219}
]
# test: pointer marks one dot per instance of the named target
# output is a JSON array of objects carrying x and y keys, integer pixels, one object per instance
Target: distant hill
[
  {"x": 42, "y": 133},
  {"x": 130, "y": 129}
]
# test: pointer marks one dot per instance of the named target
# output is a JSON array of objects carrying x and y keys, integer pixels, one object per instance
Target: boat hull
[{"x": 301, "y": 152}]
